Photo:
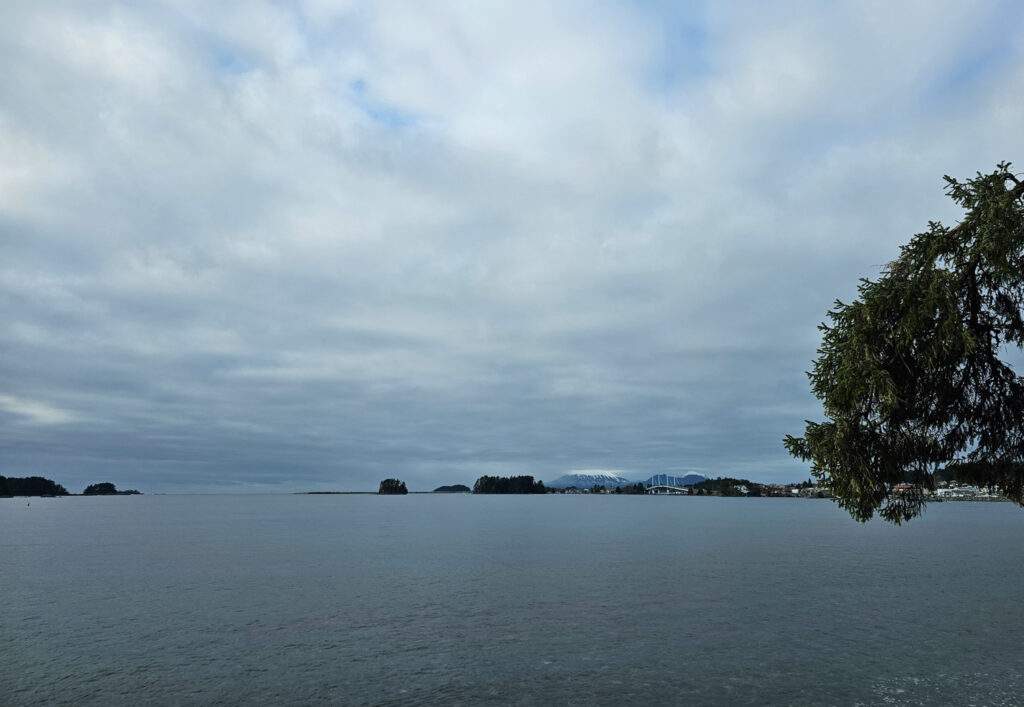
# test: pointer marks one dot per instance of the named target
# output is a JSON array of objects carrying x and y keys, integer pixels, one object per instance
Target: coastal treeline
[
  {"x": 727, "y": 486},
  {"x": 637, "y": 488},
  {"x": 30, "y": 486},
  {"x": 39, "y": 486},
  {"x": 508, "y": 484}
]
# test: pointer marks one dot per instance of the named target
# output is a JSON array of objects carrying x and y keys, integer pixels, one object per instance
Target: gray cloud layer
[{"x": 251, "y": 248}]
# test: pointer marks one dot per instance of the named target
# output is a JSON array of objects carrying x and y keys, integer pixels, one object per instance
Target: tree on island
[
  {"x": 101, "y": 489},
  {"x": 508, "y": 484},
  {"x": 30, "y": 486},
  {"x": 909, "y": 374},
  {"x": 106, "y": 489},
  {"x": 393, "y": 487}
]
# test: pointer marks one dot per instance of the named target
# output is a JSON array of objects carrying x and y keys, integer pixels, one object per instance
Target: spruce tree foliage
[{"x": 910, "y": 374}]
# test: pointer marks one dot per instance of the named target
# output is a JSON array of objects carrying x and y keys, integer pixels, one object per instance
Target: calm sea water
[{"x": 505, "y": 599}]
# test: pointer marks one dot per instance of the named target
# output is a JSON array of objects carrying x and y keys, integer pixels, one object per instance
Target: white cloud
[{"x": 34, "y": 412}]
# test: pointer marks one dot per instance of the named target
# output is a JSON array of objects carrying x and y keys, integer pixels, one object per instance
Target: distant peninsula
[{"x": 454, "y": 488}]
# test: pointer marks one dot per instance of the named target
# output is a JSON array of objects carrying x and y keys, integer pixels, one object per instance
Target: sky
[{"x": 276, "y": 247}]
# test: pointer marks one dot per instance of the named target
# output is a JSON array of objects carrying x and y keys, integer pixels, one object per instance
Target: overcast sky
[{"x": 265, "y": 246}]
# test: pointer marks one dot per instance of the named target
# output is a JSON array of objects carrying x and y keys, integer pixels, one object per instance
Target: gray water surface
[{"x": 505, "y": 599}]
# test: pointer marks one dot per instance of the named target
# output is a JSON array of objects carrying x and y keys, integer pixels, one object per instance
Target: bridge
[{"x": 667, "y": 490}]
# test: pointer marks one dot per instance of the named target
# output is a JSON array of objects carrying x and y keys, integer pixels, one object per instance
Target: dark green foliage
[
  {"x": 454, "y": 488},
  {"x": 909, "y": 374},
  {"x": 30, "y": 486},
  {"x": 727, "y": 486},
  {"x": 106, "y": 489},
  {"x": 508, "y": 484},
  {"x": 393, "y": 487},
  {"x": 637, "y": 488}
]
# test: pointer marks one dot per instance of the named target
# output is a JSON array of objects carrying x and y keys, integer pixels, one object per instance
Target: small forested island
[
  {"x": 454, "y": 488},
  {"x": 508, "y": 484},
  {"x": 107, "y": 489},
  {"x": 31, "y": 486},
  {"x": 392, "y": 487}
]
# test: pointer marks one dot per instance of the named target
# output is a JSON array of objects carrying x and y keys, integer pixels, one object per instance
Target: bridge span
[{"x": 666, "y": 490}]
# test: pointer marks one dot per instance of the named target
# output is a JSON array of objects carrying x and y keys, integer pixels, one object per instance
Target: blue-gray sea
[{"x": 438, "y": 599}]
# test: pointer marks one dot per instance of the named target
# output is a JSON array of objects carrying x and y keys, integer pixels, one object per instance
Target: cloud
[
  {"x": 33, "y": 412},
  {"x": 259, "y": 247}
]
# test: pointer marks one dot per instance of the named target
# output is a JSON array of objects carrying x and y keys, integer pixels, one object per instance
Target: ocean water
[{"x": 438, "y": 599}]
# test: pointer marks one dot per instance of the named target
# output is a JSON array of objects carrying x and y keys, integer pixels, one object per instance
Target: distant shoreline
[
  {"x": 339, "y": 493},
  {"x": 981, "y": 499},
  {"x": 358, "y": 493}
]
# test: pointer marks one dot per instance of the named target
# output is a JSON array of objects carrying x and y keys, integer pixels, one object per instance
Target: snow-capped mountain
[{"x": 588, "y": 478}]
